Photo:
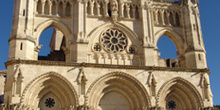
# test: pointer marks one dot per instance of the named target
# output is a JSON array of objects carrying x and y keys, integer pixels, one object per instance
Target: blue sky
[{"x": 210, "y": 21}]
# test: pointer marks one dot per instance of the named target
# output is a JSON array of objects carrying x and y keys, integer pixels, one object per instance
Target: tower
[{"x": 104, "y": 56}]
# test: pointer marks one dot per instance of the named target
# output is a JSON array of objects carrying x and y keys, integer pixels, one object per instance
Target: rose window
[
  {"x": 114, "y": 41},
  {"x": 172, "y": 105},
  {"x": 50, "y": 102}
]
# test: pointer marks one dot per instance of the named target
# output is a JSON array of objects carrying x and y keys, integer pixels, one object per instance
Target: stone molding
[
  {"x": 170, "y": 83},
  {"x": 59, "y": 63},
  {"x": 35, "y": 82},
  {"x": 119, "y": 76}
]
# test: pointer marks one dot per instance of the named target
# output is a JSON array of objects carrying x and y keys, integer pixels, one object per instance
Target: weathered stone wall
[
  {"x": 2, "y": 85},
  {"x": 89, "y": 82}
]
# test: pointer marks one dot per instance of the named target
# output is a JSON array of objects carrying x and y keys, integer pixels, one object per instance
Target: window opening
[
  {"x": 137, "y": 13},
  {"x": 23, "y": 12},
  {"x": 52, "y": 41},
  {"x": 60, "y": 11},
  {"x": 21, "y": 46},
  {"x": 46, "y": 8},
  {"x": 97, "y": 47},
  {"x": 160, "y": 21},
  {"x": 132, "y": 50},
  {"x": 114, "y": 41},
  {"x": 177, "y": 20},
  {"x": 39, "y": 7},
  {"x": 50, "y": 102},
  {"x": 200, "y": 57},
  {"x": 167, "y": 52},
  {"x": 54, "y": 8},
  {"x": 68, "y": 10},
  {"x": 165, "y": 18},
  {"x": 109, "y": 10},
  {"x": 171, "y": 19},
  {"x": 171, "y": 105},
  {"x": 1, "y": 99}
]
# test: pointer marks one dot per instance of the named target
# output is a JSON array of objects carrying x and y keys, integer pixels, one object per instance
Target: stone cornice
[
  {"x": 3, "y": 72},
  {"x": 152, "y": 68},
  {"x": 29, "y": 38}
]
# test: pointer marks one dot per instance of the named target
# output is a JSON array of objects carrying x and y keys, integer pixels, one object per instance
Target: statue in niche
[
  {"x": 114, "y": 9},
  {"x": 114, "y": 5}
]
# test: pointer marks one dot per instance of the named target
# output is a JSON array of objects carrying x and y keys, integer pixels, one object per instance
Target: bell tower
[
  {"x": 21, "y": 42},
  {"x": 195, "y": 53}
]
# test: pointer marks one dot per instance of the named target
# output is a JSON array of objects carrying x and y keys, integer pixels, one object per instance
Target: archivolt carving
[
  {"x": 44, "y": 84},
  {"x": 122, "y": 83},
  {"x": 186, "y": 87}
]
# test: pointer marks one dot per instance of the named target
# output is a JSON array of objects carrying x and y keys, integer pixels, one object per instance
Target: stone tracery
[{"x": 114, "y": 41}]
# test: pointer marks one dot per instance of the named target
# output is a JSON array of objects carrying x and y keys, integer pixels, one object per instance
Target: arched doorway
[
  {"x": 118, "y": 91},
  {"x": 50, "y": 91},
  {"x": 114, "y": 101},
  {"x": 179, "y": 94}
]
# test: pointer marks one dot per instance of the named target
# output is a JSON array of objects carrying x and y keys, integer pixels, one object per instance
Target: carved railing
[
  {"x": 101, "y": 8},
  {"x": 61, "y": 8},
  {"x": 167, "y": 17}
]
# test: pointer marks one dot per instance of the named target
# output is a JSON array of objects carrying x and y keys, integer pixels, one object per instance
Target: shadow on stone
[{"x": 1, "y": 99}]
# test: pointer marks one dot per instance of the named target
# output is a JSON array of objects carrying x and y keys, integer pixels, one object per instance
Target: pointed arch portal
[
  {"x": 50, "y": 91},
  {"x": 179, "y": 94},
  {"x": 118, "y": 91}
]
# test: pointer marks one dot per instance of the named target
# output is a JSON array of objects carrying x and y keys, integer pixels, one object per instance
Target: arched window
[
  {"x": 171, "y": 19},
  {"x": 52, "y": 41},
  {"x": 177, "y": 19},
  {"x": 165, "y": 18},
  {"x": 54, "y": 8},
  {"x": 160, "y": 21},
  {"x": 167, "y": 52},
  {"x": 60, "y": 11},
  {"x": 68, "y": 9},
  {"x": 46, "y": 8},
  {"x": 39, "y": 7}
]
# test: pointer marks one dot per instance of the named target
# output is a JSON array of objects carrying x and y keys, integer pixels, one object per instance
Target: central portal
[{"x": 114, "y": 101}]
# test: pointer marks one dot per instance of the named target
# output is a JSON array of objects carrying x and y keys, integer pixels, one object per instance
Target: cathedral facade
[{"x": 104, "y": 56}]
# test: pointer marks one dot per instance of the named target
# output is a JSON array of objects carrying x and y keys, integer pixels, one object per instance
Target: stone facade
[
  {"x": 2, "y": 84},
  {"x": 110, "y": 55}
]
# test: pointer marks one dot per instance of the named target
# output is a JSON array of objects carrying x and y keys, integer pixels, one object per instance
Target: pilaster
[
  {"x": 78, "y": 47},
  {"x": 148, "y": 47}
]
